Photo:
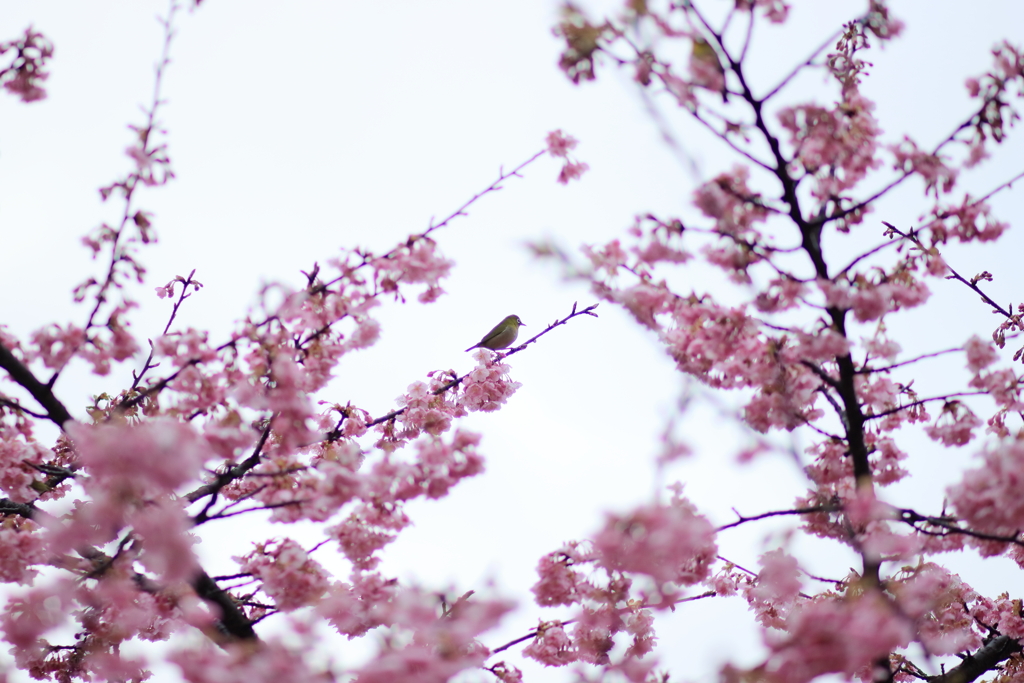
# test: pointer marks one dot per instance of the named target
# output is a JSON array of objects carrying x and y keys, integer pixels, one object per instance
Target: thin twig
[
  {"x": 589, "y": 310},
  {"x": 875, "y": 416},
  {"x": 866, "y": 370},
  {"x": 146, "y": 367},
  {"x": 776, "y": 513}
]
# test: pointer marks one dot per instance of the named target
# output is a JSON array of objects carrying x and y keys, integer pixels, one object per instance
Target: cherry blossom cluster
[
  {"x": 559, "y": 145},
  {"x": 807, "y": 343},
  {"x": 646, "y": 558},
  {"x": 212, "y": 430},
  {"x": 27, "y": 70},
  {"x": 98, "y": 532}
]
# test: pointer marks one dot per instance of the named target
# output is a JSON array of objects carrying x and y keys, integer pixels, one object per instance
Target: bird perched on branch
[
  {"x": 706, "y": 67},
  {"x": 502, "y": 336}
]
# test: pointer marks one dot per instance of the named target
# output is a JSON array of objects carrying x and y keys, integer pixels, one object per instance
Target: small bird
[
  {"x": 707, "y": 67},
  {"x": 502, "y": 336}
]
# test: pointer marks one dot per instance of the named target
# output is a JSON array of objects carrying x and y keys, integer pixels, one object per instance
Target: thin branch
[
  {"x": 830, "y": 435},
  {"x": 146, "y": 367},
  {"x": 996, "y": 190},
  {"x": 461, "y": 211},
  {"x": 835, "y": 406},
  {"x": 800, "y": 67},
  {"x": 837, "y": 582},
  {"x": 533, "y": 633},
  {"x": 866, "y": 370},
  {"x": 159, "y": 386},
  {"x": 867, "y": 254},
  {"x": 746, "y": 40},
  {"x": 270, "y": 506},
  {"x": 14, "y": 405},
  {"x": 118, "y": 250},
  {"x": 776, "y": 513},
  {"x": 904, "y": 175},
  {"x": 950, "y": 526},
  {"x": 232, "y": 623},
  {"x": 824, "y": 376},
  {"x": 225, "y": 478},
  {"x": 875, "y": 416},
  {"x": 589, "y": 310},
  {"x": 955, "y": 275}
]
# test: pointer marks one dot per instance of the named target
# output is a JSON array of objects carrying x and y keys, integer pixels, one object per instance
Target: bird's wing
[{"x": 493, "y": 333}]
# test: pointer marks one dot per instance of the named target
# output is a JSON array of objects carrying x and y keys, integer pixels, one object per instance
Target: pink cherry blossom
[
  {"x": 162, "y": 454},
  {"x": 238, "y": 663},
  {"x": 28, "y": 70},
  {"x": 560, "y": 144},
  {"x": 762, "y": 287},
  {"x": 164, "y": 533},
  {"x": 669, "y": 543},
  {"x": 937, "y": 600},
  {"x": 841, "y": 636},
  {"x": 729, "y": 200},
  {"x": 955, "y": 425},
  {"x": 488, "y": 387},
  {"x": 938, "y": 176},
  {"x": 776, "y": 589},
  {"x": 24, "y": 85},
  {"x": 560, "y": 583},
  {"x": 842, "y": 138},
  {"x": 20, "y": 549},
  {"x": 988, "y": 497},
  {"x": 1001, "y": 614},
  {"x": 17, "y": 455},
  {"x": 645, "y": 302},
  {"x": 776, "y": 11},
  {"x": 881, "y": 23},
  {"x": 572, "y": 171},
  {"x": 56, "y": 345},
  {"x": 287, "y": 574},
  {"x": 507, "y": 673},
  {"x": 551, "y": 647},
  {"x": 980, "y": 354}
]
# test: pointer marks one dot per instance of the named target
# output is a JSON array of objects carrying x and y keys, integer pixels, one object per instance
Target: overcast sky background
[{"x": 296, "y": 128}]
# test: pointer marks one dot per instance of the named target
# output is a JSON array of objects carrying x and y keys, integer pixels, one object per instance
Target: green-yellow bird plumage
[
  {"x": 502, "y": 336},
  {"x": 703, "y": 53}
]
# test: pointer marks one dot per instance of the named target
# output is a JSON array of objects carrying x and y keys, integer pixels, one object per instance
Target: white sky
[{"x": 299, "y": 127}]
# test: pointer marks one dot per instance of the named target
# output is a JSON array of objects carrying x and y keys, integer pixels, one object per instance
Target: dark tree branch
[
  {"x": 950, "y": 526},
  {"x": 14, "y": 405},
  {"x": 9, "y": 507},
  {"x": 986, "y": 659},
  {"x": 225, "y": 478},
  {"x": 43, "y": 394},
  {"x": 233, "y": 623}
]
